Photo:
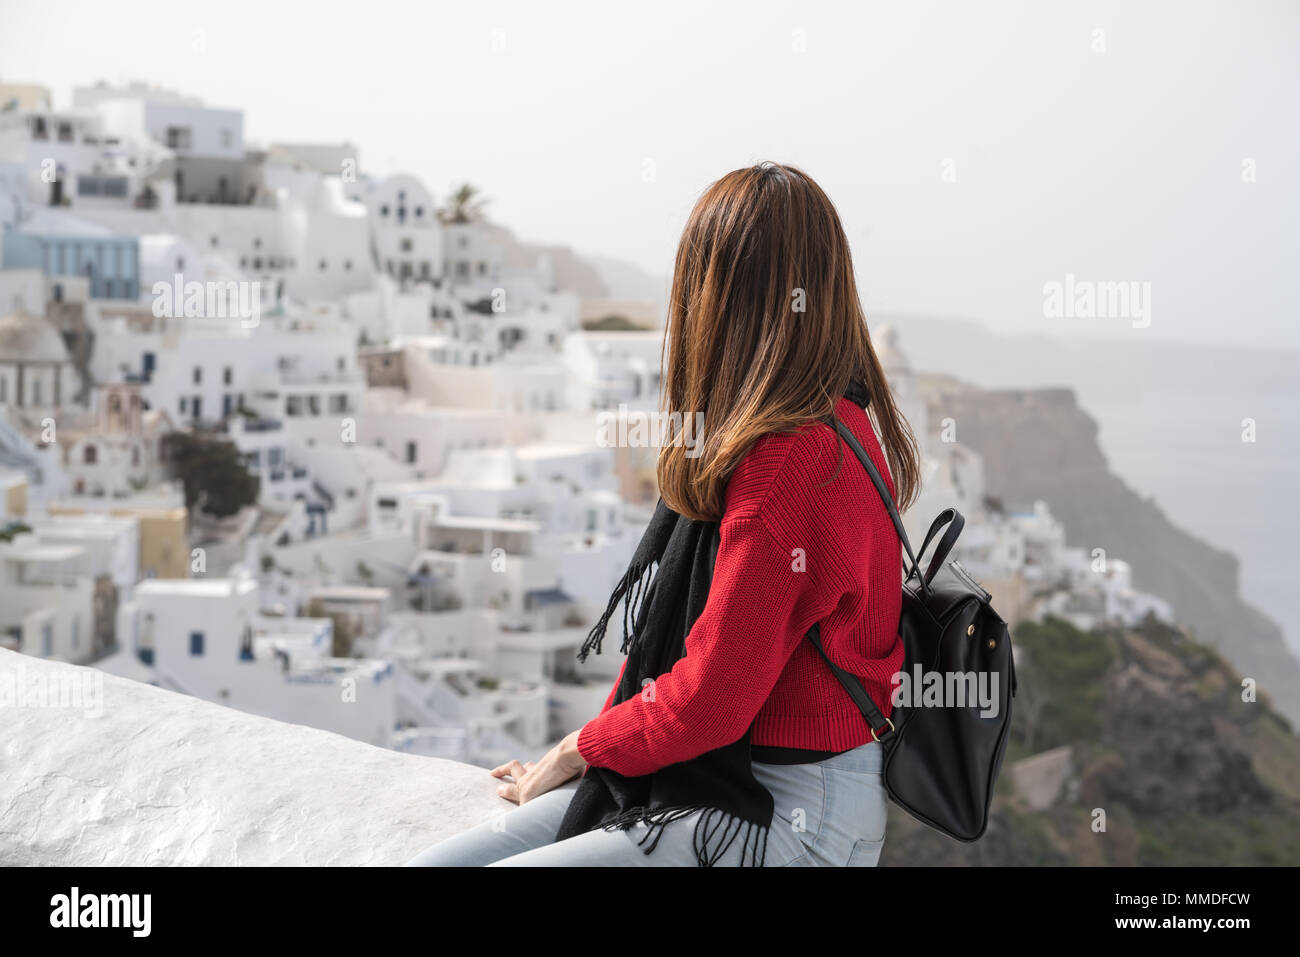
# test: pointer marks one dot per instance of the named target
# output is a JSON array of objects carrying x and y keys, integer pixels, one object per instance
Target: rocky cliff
[
  {"x": 1038, "y": 444},
  {"x": 1167, "y": 764}
]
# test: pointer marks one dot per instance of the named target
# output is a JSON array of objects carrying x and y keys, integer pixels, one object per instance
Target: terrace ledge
[{"x": 145, "y": 776}]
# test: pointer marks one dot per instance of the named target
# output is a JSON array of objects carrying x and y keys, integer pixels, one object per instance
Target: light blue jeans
[{"x": 828, "y": 814}]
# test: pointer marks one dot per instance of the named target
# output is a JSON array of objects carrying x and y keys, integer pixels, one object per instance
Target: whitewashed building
[
  {"x": 36, "y": 374},
  {"x": 46, "y": 597},
  {"x": 612, "y": 369},
  {"x": 207, "y": 638}
]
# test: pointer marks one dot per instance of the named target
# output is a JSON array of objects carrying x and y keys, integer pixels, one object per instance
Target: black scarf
[{"x": 663, "y": 591}]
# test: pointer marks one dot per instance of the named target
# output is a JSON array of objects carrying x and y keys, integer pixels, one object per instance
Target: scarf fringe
[
  {"x": 631, "y": 587},
  {"x": 715, "y": 832}
]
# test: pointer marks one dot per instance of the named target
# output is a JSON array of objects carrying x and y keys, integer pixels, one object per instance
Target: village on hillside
[{"x": 316, "y": 445}]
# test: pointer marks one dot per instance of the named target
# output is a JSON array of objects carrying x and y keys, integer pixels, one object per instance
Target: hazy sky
[{"x": 1122, "y": 165}]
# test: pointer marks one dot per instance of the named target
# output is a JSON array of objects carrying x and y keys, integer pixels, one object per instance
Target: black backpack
[{"x": 940, "y": 763}]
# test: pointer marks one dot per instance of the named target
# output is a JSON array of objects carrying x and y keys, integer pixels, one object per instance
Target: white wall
[
  {"x": 350, "y": 700},
  {"x": 236, "y": 788}
]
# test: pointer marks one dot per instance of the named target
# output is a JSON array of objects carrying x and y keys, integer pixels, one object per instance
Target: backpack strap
[
  {"x": 881, "y": 727},
  {"x": 949, "y": 516},
  {"x": 874, "y": 473},
  {"x": 955, "y": 522}
]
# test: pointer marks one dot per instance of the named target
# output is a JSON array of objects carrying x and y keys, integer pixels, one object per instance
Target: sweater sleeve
[{"x": 760, "y": 604}]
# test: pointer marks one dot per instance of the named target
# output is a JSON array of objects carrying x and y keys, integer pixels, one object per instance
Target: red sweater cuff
[{"x": 587, "y": 743}]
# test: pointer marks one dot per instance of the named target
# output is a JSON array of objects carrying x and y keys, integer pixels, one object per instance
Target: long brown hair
[{"x": 765, "y": 332}]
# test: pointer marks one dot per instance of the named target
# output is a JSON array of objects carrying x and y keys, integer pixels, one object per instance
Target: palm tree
[{"x": 464, "y": 205}]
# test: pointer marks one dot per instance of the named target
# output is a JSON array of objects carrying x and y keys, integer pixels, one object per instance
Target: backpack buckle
[{"x": 888, "y": 730}]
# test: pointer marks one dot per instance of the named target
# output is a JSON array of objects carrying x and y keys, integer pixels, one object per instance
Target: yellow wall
[
  {"x": 15, "y": 500},
  {"x": 1011, "y": 598},
  {"x": 164, "y": 545}
]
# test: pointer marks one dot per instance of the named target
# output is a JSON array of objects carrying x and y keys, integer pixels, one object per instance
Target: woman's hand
[{"x": 562, "y": 763}]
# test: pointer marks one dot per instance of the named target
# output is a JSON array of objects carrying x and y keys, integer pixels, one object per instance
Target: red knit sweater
[{"x": 800, "y": 543}]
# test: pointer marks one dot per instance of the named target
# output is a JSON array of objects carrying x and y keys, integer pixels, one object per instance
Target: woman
[{"x": 727, "y": 739}]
